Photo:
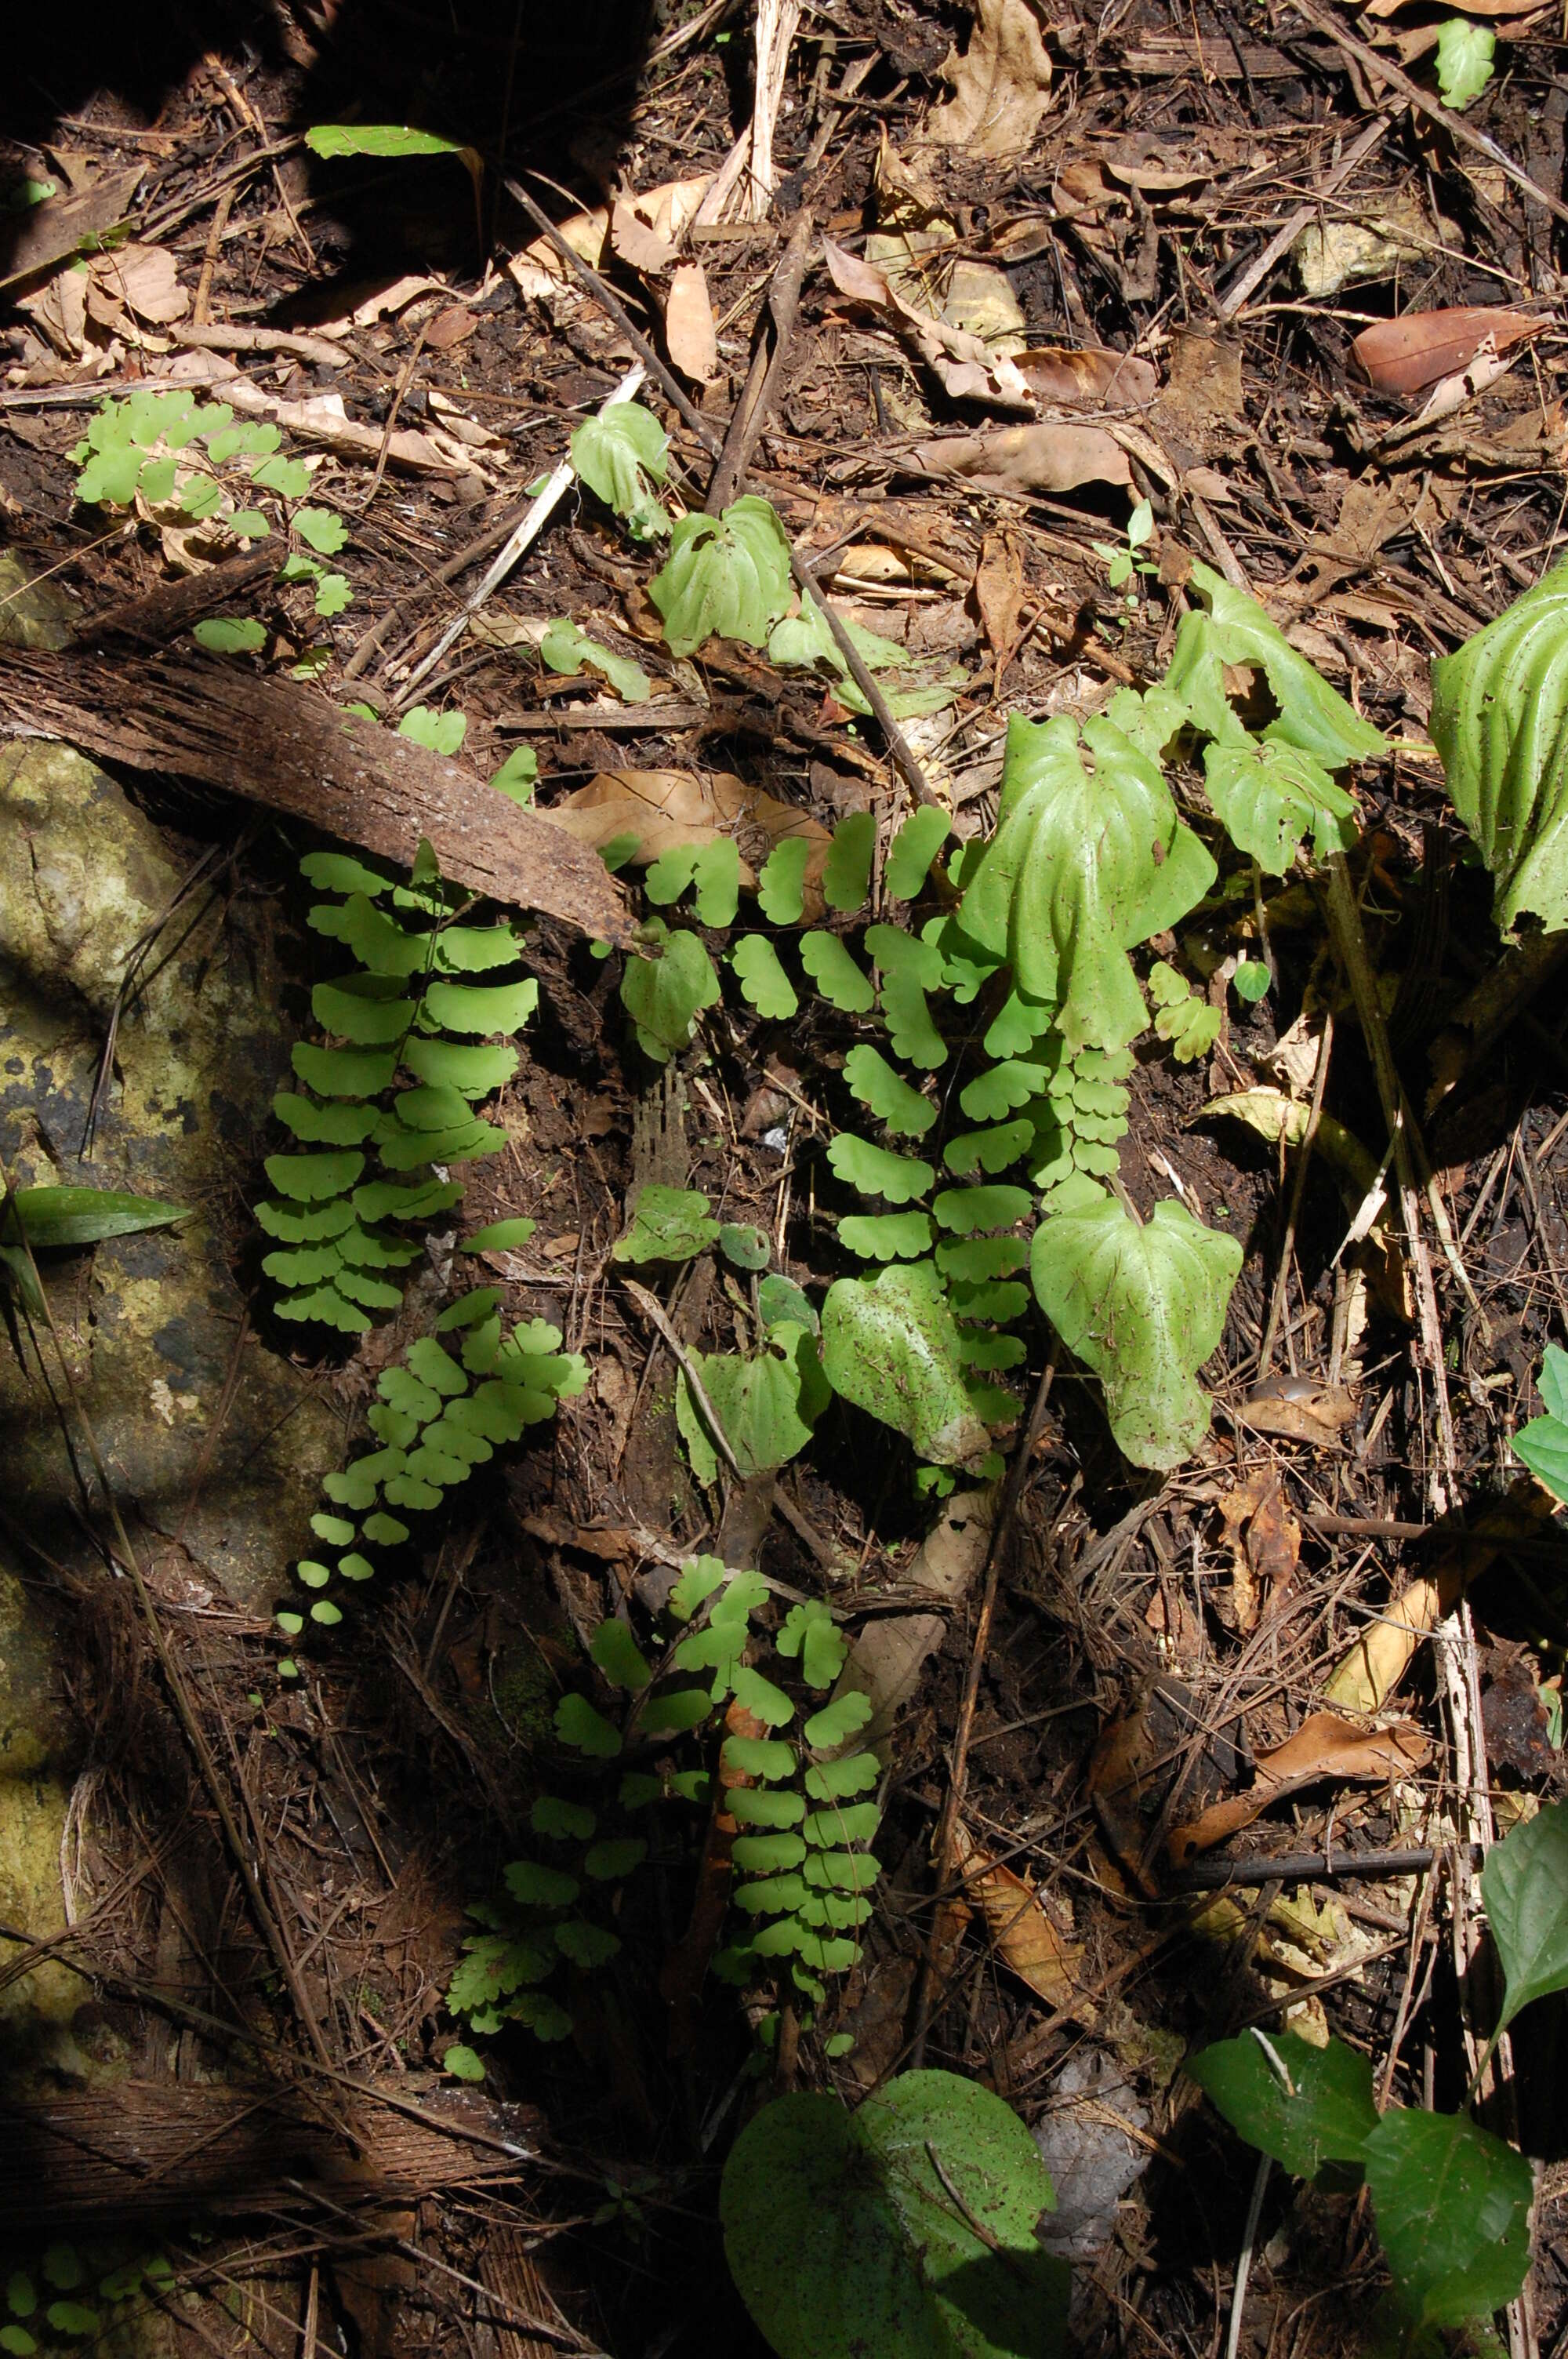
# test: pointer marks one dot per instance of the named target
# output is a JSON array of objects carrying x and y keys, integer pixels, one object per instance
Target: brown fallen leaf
[
  {"x": 1023, "y": 1935},
  {"x": 689, "y": 332},
  {"x": 1136, "y": 1757},
  {"x": 1408, "y": 354},
  {"x": 665, "y": 213},
  {"x": 1107, "y": 380},
  {"x": 60, "y": 226},
  {"x": 140, "y": 278},
  {"x": 451, "y": 328},
  {"x": 1297, "y": 1408},
  {"x": 967, "y": 367},
  {"x": 666, "y": 809},
  {"x": 999, "y": 85},
  {"x": 1323, "y": 1746},
  {"x": 1265, "y": 1543},
  {"x": 886, "y": 1659},
  {"x": 998, "y": 595},
  {"x": 1044, "y": 457}
]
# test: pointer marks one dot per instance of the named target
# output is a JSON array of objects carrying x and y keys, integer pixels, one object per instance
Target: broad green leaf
[
  {"x": 578, "y": 1725},
  {"x": 1142, "y": 1306},
  {"x": 665, "y": 995},
  {"x": 1270, "y": 794},
  {"x": 463, "y": 2062},
  {"x": 781, "y": 881},
  {"x": 779, "y": 1302},
  {"x": 1543, "y": 1444},
  {"x": 1231, "y": 629},
  {"x": 614, "y": 453},
  {"x": 389, "y": 139},
  {"x": 764, "y": 1806},
  {"x": 518, "y": 774},
  {"x": 289, "y": 478},
  {"x": 772, "y": 1895},
  {"x": 803, "y": 638},
  {"x": 907, "y": 2228},
  {"x": 619, "y": 1656},
  {"x": 767, "y": 1402},
  {"x": 563, "y": 1821},
  {"x": 1082, "y": 866},
  {"x": 886, "y": 1236},
  {"x": 875, "y": 1171},
  {"x": 1251, "y": 981},
  {"x": 499, "y": 1236},
  {"x": 475, "y": 949},
  {"x": 668, "y": 1224},
  {"x": 1525, "y": 1885},
  {"x": 913, "y": 849},
  {"x": 700, "y": 1578},
  {"x": 846, "y": 878},
  {"x": 335, "y": 872},
  {"x": 836, "y": 975},
  {"x": 440, "y": 733},
  {"x": 48, "y": 1217},
  {"x": 1302, "y": 2104},
  {"x": 767, "y": 1854},
  {"x": 759, "y": 1756},
  {"x": 830, "y": 1781},
  {"x": 618, "y": 1856},
  {"x": 322, "y": 530},
  {"x": 540, "y": 1887},
  {"x": 227, "y": 636},
  {"x": 810, "y": 1632},
  {"x": 764, "y": 985},
  {"x": 730, "y": 576},
  {"x": 889, "y": 1097},
  {"x": 675, "y": 1710},
  {"x": 848, "y": 1822},
  {"x": 1497, "y": 711},
  {"x": 564, "y": 648},
  {"x": 1452, "y": 2204},
  {"x": 910, "y": 967},
  {"x": 889, "y": 1345},
  {"x": 1464, "y": 55},
  {"x": 765, "y": 1702},
  {"x": 586, "y": 1945}
]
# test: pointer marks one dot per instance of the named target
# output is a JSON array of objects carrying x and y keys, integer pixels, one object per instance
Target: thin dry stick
[
  {"x": 1252, "y": 276},
  {"x": 1298, "y": 1188},
  {"x": 942, "y": 1843},
  {"x": 766, "y": 369},
  {"x": 210, "y": 256}
]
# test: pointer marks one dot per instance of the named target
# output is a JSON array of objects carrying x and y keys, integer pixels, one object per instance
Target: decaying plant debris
[{"x": 599, "y": 500}]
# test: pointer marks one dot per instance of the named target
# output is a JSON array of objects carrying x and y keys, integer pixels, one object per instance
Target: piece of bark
[
  {"x": 162, "y": 613},
  {"x": 285, "y": 745}
]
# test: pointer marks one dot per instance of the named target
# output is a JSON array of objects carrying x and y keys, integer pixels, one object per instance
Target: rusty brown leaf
[
  {"x": 1265, "y": 1543},
  {"x": 998, "y": 595},
  {"x": 689, "y": 332},
  {"x": 1090, "y": 377},
  {"x": 1406, "y": 356},
  {"x": 1023, "y": 1935},
  {"x": 1040, "y": 458},
  {"x": 1325, "y": 1747}
]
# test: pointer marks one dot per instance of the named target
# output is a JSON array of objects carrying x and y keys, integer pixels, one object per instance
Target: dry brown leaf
[
  {"x": 1107, "y": 380},
  {"x": 1265, "y": 1544},
  {"x": 449, "y": 328},
  {"x": 1323, "y": 1746},
  {"x": 1022, "y": 1934},
  {"x": 1135, "y": 1759},
  {"x": 998, "y": 595},
  {"x": 1334, "y": 253},
  {"x": 689, "y": 332},
  {"x": 1406, "y": 356},
  {"x": 1296, "y": 1408},
  {"x": 886, "y": 1661},
  {"x": 59, "y": 312},
  {"x": 966, "y": 366},
  {"x": 1040, "y": 458},
  {"x": 665, "y": 213},
  {"x": 426, "y": 450},
  {"x": 1452, "y": 392},
  {"x": 666, "y": 809},
  {"x": 999, "y": 85},
  {"x": 144, "y": 280}
]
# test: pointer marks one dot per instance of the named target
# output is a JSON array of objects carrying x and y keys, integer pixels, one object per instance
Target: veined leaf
[
  {"x": 1082, "y": 866},
  {"x": 343, "y": 1073},
  {"x": 223, "y": 634},
  {"x": 764, "y": 985},
  {"x": 1464, "y": 55},
  {"x": 729, "y": 576},
  {"x": 564, "y": 648},
  {"x": 1499, "y": 720},
  {"x": 1270, "y": 794},
  {"x": 891, "y": 1345},
  {"x": 846, "y": 878},
  {"x": 886, "y": 1236},
  {"x": 665, "y": 995},
  {"x": 810, "y": 1632},
  {"x": 836, "y": 975},
  {"x": 876, "y": 1172},
  {"x": 803, "y": 638},
  {"x": 1453, "y": 2210},
  {"x": 474, "y": 950},
  {"x": 49, "y": 1217},
  {"x": 906, "y": 1114},
  {"x": 669, "y": 1224},
  {"x": 1303, "y": 2105},
  {"x": 767, "y": 1402},
  {"x": 912, "y": 849},
  {"x": 1525, "y": 1885},
  {"x": 781, "y": 881},
  {"x": 614, "y": 453},
  {"x": 1232, "y": 629},
  {"x": 1142, "y": 1306}
]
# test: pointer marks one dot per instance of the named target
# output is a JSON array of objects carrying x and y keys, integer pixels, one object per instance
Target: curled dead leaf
[
  {"x": 1325, "y": 1747},
  {"x": 1022, "y": 1934},
  {"x": 1137, "y": 1756},
  {"x": 1298, "y": 1408},
  {"x": 886, "y": 1659},
  {"x": 689, "y": 331},
  {"x": 999, "y": 85},
  {"x": 1040, "y": 458},
  {"x": 1090, "y": 376},
  {"x": 1265, "y": 1543},
  {"x": 1406, "y": 356},
  {"x": 967, "y": 366}
]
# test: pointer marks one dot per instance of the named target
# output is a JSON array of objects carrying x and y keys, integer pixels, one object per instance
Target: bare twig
[
  {"x": 1298, "y": 1189},
  {"x": 1252, "y": 276}
]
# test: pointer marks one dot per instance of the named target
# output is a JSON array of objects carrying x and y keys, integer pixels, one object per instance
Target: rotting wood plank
[
  {"x": 285, "y": 745},
  {"x": 137, "y": 2152}
]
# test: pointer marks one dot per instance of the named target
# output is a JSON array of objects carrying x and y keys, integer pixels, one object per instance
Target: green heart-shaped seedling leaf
[
  {"x": 518, "y": 774},
  {"x": 1251, "y": 981},
  {"x": 810, "y": 1632},
  {"x": 886, "y": 1236},
  {"x": 876, "y": 1172},
  {"x": 665, "y": 995},
  {"x": 1230, "y": 631},
  {"x": 847, "y": 878},
  {"x": 912, "y": 849},
  {"x": 565, "y": 649},
  {"x": 322, "y": 530},
  {"x": 48, "y": 1217},
  {"x": 668, "y": 1224},
  {"x": 841, "y": 983},
  {"x": 1464, "y": 55},
  {"x": 805, "y": 638},
  {"x": 1543, "y": 1444},
  {"x": 907, "y": 2227},
  {"x": 781, "y": 882},
  {"x": 1082, "y": 866},
  {"x": 891, "y": 1345},
  {"x": 730, "y": 576},
  {"x": 228, "y": 636},
  {"x": 764, "y": 985},
  {"x": 748, "y": 1248},
  {"x": 781, "y": 1303},
  {"x": 1142, "y": 1306},
  {"x": 889, "y": 1097},
  {"x": 1269, "y": 796},
  {"x": 1525, "y": 1885},
  {"x": 1303, "y": 2105},
  {"x": 1190, "y": 1024},
  {"x": 463, "y": 2062},
  {"x": 1451, "y": 2205},
  {"x": 439, "y": 733},
  {"x": 618, "y": 454}
]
